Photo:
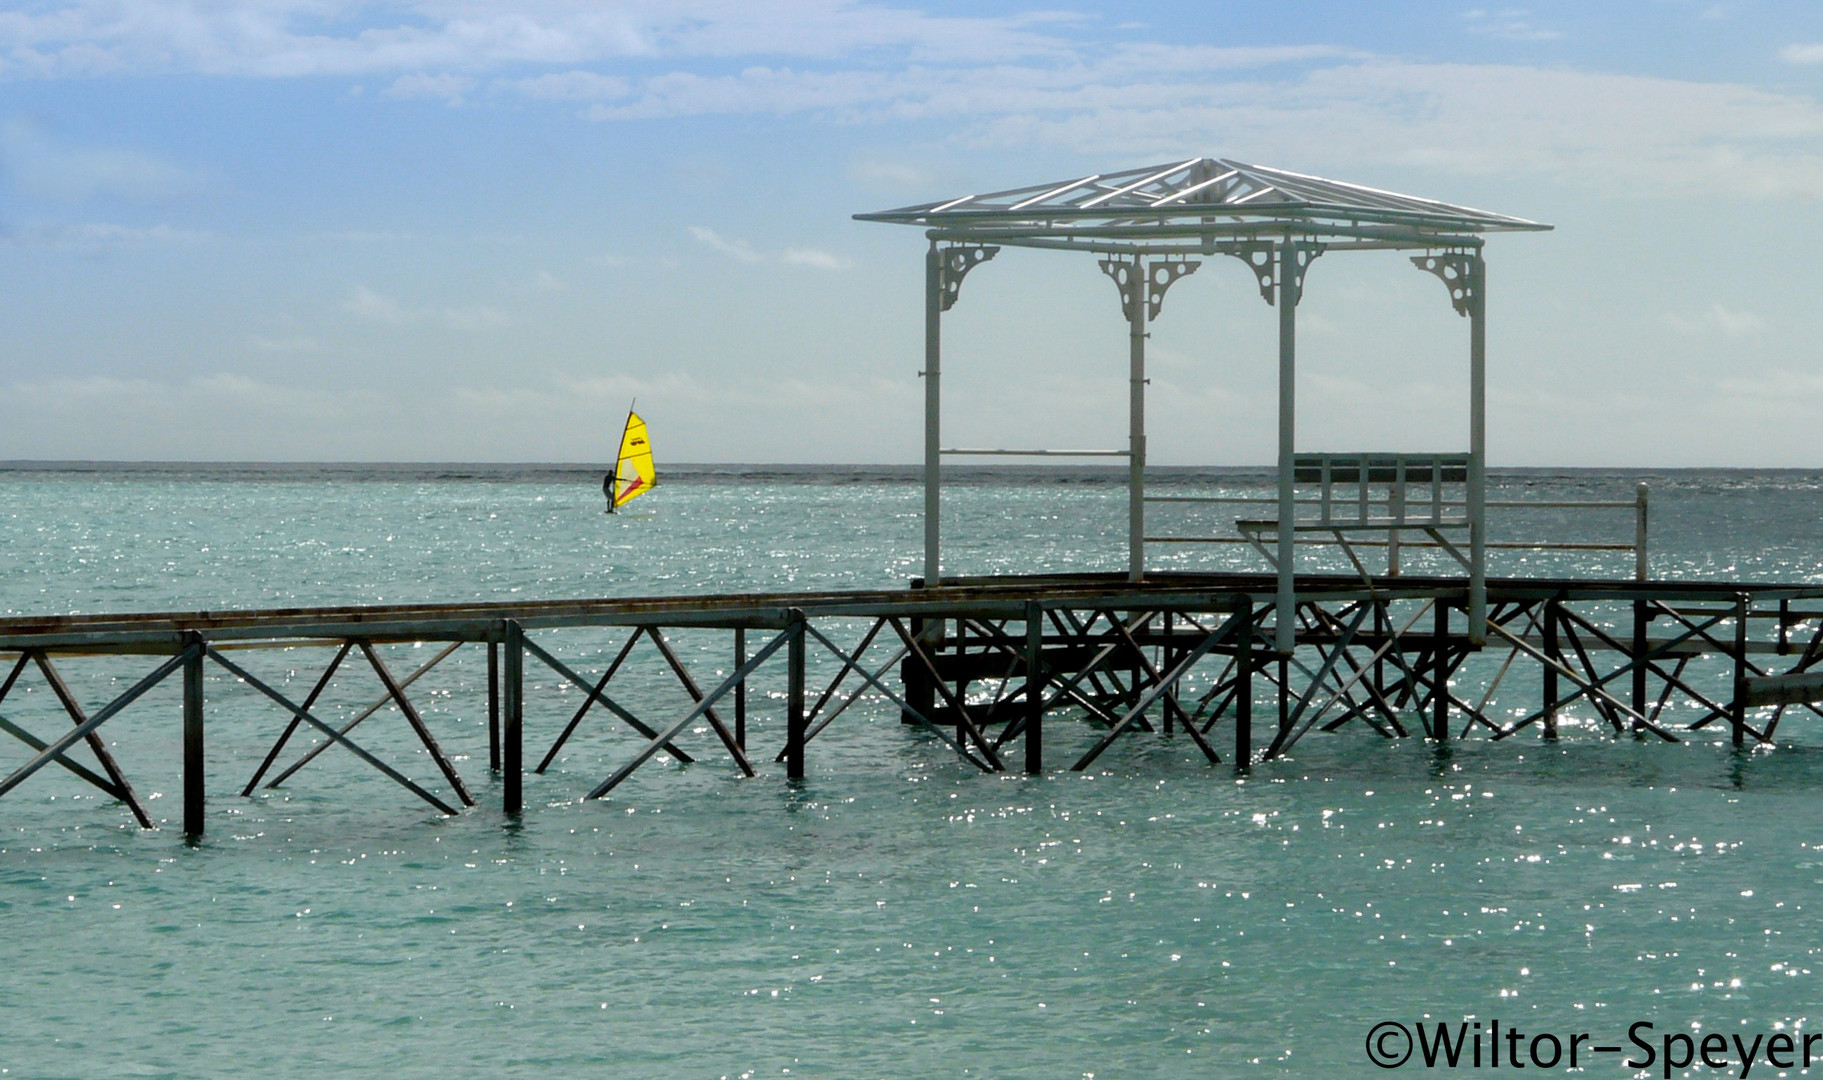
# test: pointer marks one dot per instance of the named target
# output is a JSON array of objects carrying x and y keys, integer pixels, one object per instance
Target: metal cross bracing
[
  {"x": 1149, "y": 225},
  {"x": 1189, "y": 657}
]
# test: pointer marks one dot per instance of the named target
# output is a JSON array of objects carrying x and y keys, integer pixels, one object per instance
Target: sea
[{"x": 896, "y": 913}]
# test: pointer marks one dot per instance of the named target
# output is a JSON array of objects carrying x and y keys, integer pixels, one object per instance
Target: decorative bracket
[
  {"x": 1127, "y": 279},
  {"x": 1262, "y": 257},
  {"x": 1160, "y": 274},
  {"x": 1460, "y": 272},
  {"x": 1149, "y": 283},
  {"x": 956, "y": 261},
  {"x": 1258, "y": 255},
  {"x": 1302, "y": 254}
]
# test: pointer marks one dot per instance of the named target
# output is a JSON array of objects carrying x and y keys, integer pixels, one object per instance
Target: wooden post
[
  {"x": 1243, "y": 695},
  {"x": 493, "y": 705},
  {"x": 794, "y": 707},
  {"x": 1440, "y": 675},
  {"x": 1383, "y": 627},
  {"x": 1165, "y": 664},
  {"x": 194, "y": 809},
  {"x": 513, "y": 735},
  {"x": 740, "y": 690},
  {"x": 1284, "y": 701},
  {"x": 1641, "y": 622},
  {"x": 962, "y": 681},
  {"x": 1555, "y": 656},
  {"x": 1737, "y": 709},
  {"x": 919, "y": 693},
  {"x": 1034, "y": 689}
]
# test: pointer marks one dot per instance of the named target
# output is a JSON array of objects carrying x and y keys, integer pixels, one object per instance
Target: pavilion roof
[{"x": 1198, "y": 203}]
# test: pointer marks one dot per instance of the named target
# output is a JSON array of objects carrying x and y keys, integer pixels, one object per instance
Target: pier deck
[{"x": 986, "y": 663}]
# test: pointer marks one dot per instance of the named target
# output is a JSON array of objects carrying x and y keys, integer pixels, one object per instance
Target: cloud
[
  {"x": 1798, "y": 393},
  {"x": 870, "y": 94},
  {"x": 884, "y": 173},
  {"x": 449, "y": 88},
  {"x": 371, "y": 306},
  {"x": 94, "y": 236},
  {"x": 289, "y": 38},
  {"x": 1717, "y": 319},
  {"x": 297, "y": 343},
  {"x": 734, "y": 249},
  {"x": 812, "y": 257},
  {"x": 1612, "y": 133},
  {"x": 1316, "y": 106},
  {"x": 760, "y": 90},
  {"x": 815, "y": 258},
  {"x": 567, "y": 86},
  {"x": 1024, "y": 82},
  {"x": 205, "y": 394},
  {"x": 558, "y": 417},
  {"x": 44, "y": 167},
  {"x": 218, "y": 416},
  {"x": 1509, "y": 24}
]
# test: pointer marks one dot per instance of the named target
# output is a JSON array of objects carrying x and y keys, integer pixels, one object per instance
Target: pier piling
[
  {"x": 794, "y": 707},
  {"x": 194, "y": 808},
  {"x": 1034, "y": 688},
  {"x": 1553, "y": 661},
  {"x": 493, "y": 706},
  {"x": 1243, "y": 693},
  {"x": 513, "y": 729}
]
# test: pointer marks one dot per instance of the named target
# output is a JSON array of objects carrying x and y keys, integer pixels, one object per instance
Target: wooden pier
[{"x": 986, "y": 664}]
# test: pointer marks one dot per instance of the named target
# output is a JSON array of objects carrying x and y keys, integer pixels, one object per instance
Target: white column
[
  {"x": 1288, "y": 290},
  {"x": 1138, "y": 309},
  {"x": 933, "y": 413},
  {"x": 1478, "y": 440}
]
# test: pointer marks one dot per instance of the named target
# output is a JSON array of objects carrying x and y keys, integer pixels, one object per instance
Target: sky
[{"x": 463, "y": 231}]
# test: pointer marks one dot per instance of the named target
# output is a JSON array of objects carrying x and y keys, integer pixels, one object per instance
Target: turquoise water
[{"x": 891, "y": 916}]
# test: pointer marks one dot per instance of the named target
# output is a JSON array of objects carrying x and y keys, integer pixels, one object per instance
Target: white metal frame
[{"x": 1148, "y": 224}]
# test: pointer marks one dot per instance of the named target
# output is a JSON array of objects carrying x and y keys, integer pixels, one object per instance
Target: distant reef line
[{"x": 785, "y": 473}]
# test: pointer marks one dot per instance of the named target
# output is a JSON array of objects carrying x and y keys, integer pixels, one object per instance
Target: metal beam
[
  {"x": 933, "y": 414},
  {"x": 1288, "y": 295},
  {"x": 1137, "y": 313},
  {"x": 1478, "y": 447}
]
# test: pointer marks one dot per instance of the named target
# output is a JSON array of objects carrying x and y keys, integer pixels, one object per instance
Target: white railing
[{"x": 1418, "y": 492}]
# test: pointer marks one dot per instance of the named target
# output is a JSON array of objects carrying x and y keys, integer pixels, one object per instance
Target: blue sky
[{"x": 313, "y": 229}]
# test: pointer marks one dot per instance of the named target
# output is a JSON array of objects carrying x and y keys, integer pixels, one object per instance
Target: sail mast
[
  {"x": 635, "y": 455},
  {"x": 620, "y": 455}
]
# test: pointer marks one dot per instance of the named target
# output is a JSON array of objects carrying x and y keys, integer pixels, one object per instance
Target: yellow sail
[{"x": 633, "y": 473}]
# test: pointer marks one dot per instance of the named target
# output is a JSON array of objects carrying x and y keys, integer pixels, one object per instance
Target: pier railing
[
  {"x": 980, "y": 664},
  {"x": 1418, "y": 494}
]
